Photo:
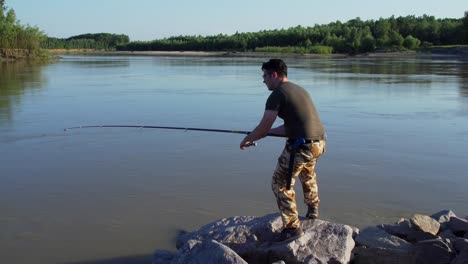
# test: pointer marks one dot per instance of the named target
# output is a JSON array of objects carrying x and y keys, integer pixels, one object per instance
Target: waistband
[{"x": 306, "y": 140}]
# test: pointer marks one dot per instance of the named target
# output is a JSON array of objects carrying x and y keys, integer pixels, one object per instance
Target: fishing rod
[{"x": 175, "y": 128}]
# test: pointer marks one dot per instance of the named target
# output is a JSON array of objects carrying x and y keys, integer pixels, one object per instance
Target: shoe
[
  {"x": 289, "y": 234},
  {"x": 312, "y": 212}
]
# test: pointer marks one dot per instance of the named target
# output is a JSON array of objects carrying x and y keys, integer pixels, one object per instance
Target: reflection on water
[
  {"x": 92, "y": 62},
  {"x": 397, "y": 142},
  {"x": 16, "y": 79}
]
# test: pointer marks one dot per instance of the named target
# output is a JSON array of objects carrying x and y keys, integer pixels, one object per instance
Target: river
[{"x": 397, "y": 131}]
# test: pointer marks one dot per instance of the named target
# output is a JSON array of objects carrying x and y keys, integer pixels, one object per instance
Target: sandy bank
[{"x": 189, "y": 53}]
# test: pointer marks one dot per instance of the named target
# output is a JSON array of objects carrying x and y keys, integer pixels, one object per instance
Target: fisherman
[{"x": 306, "y": 143}]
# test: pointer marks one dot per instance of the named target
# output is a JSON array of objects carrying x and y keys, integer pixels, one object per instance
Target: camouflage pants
[{"x": 304, "y": 166}]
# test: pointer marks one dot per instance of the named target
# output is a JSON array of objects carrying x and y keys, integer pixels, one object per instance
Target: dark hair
[{"x": 276, "y": 65}]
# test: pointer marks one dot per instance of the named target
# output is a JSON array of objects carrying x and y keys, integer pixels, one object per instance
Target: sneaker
[
  {"x": 289, "y": 234},
  {"x": 312, "y": 212}
]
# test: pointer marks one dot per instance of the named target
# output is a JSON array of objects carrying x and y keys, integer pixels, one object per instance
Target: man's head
[
  {"x": 275, "y": 72},
  {"x": 276, "y": 65}
]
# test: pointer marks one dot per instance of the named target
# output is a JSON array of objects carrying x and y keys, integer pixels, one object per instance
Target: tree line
[
  {"x": 98, "y": 41},
  {"x": 13, "y": 35},
  {"x": 353, "y": 36}
]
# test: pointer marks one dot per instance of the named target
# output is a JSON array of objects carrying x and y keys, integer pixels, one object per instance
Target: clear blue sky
[{"x": 154, "y": 19}]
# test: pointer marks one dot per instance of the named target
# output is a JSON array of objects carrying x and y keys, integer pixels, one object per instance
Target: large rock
[
  {"x": 401, "y": 229},
  {"x": 458, "y": 225},
  {"x": 443, "y": 216},
  {"x": 460, "y": 244},
  {"x": 323, "y": 242},
  {"x": 462, "y": 257},
  {"x": 363, "y": 255},
  {"x": 374, "y": 237},
  {"x": 417, "y": 236},
  {"x": 425, "y": 223},
  {"x": 206, "y": 252},
  {"x": 251, "y": 238},
  {"x": 434, "y": 251}
]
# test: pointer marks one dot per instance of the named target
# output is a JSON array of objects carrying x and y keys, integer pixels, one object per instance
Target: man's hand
[{"x": 246, "y": 143}]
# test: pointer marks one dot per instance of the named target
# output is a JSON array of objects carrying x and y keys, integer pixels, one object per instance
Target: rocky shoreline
[{"x": 439, "y": 238}]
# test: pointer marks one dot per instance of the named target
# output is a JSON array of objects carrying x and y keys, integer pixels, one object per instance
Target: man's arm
[
  {"x": 280, "y": 131},
  {"x": 262, "y": 129}
]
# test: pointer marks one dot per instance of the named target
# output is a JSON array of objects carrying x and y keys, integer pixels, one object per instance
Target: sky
[{"x": 144, "y": 20}]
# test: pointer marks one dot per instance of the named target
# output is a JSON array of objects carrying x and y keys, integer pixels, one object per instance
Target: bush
[{"x": 411, "y": 42}]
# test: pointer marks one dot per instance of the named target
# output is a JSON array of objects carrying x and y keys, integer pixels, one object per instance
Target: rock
[
  {"x": 240, "y": 233},
  {"x": 462, "y": 257},
  {"x": 416, "y": 236},
  {"x": 458, "y": 225},
  {"x": 443, "y": 216},
  {"x": 460, "y": 244},
  {"x": 363, "y": 255},
  {"x": 434, "y": 251},
  {"x": 163, "y": 256},
  {"x": 323, "y": 242},
  {"x": 206, "y": 252},
  {"x": 355, "y": 231},
  {"x": 374, "y": 237},
  {"x": 402, "y": 229},
  {"x": 425, "y": 223},
  {"x": 248, "y": 239},
  {"x": 251, "y": 238},
  {"x": 448, "y": 234}
]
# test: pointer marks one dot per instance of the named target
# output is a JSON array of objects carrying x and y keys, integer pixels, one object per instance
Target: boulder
[
  {"x": 462, "y": 257},
  {"x": 416, "y": 236},
  {"x": 374, "y": 237},
  {"x": 206, "y": 252},
  {"x": 460, "y": 244},
  {"x": 251, "y": 238},
  {"x": 448, "y": 234},
  {"x": 401, "y": 229},
  {"x": 434, "y": 251},
  {"x": 363, "y": 255},
  {"x": 323, "y": 242},
  {"x": 425, "y": 223},
  {"x": 443, "y": 216},
  {"x": 458, "y": 225}
]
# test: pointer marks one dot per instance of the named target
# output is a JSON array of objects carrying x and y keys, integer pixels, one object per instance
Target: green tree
[
  {"x": 2, "y": 10},
  {"x": 411, "y": 42},
  {"x": 368, "y": 43},
  {"x": 465, "y": 26},
  {"x": 395, "y": 39}
]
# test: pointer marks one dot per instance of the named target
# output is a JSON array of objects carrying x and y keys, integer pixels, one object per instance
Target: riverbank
[
  {"x": 450, "y": 51},
  {"x": 15, "y": 54},
  {"x": 10, "y": 55},
  {"x": 185, "y": 53}
]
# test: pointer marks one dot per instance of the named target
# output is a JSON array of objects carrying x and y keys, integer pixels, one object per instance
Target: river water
[{"x": 397, "y": 136}]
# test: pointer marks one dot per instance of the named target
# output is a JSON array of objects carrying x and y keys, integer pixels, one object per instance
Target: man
[{"x": 305, "y": 144}]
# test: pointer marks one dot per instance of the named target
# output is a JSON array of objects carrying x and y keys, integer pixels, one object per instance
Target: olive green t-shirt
[{"x": 294, "y": 105}]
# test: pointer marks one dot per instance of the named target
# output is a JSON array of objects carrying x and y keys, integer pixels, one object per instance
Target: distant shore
[
  {"x": 457, "y": 52},
  {"x": 463, "y": 52},
  {"x": 187, "y": 53}
]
